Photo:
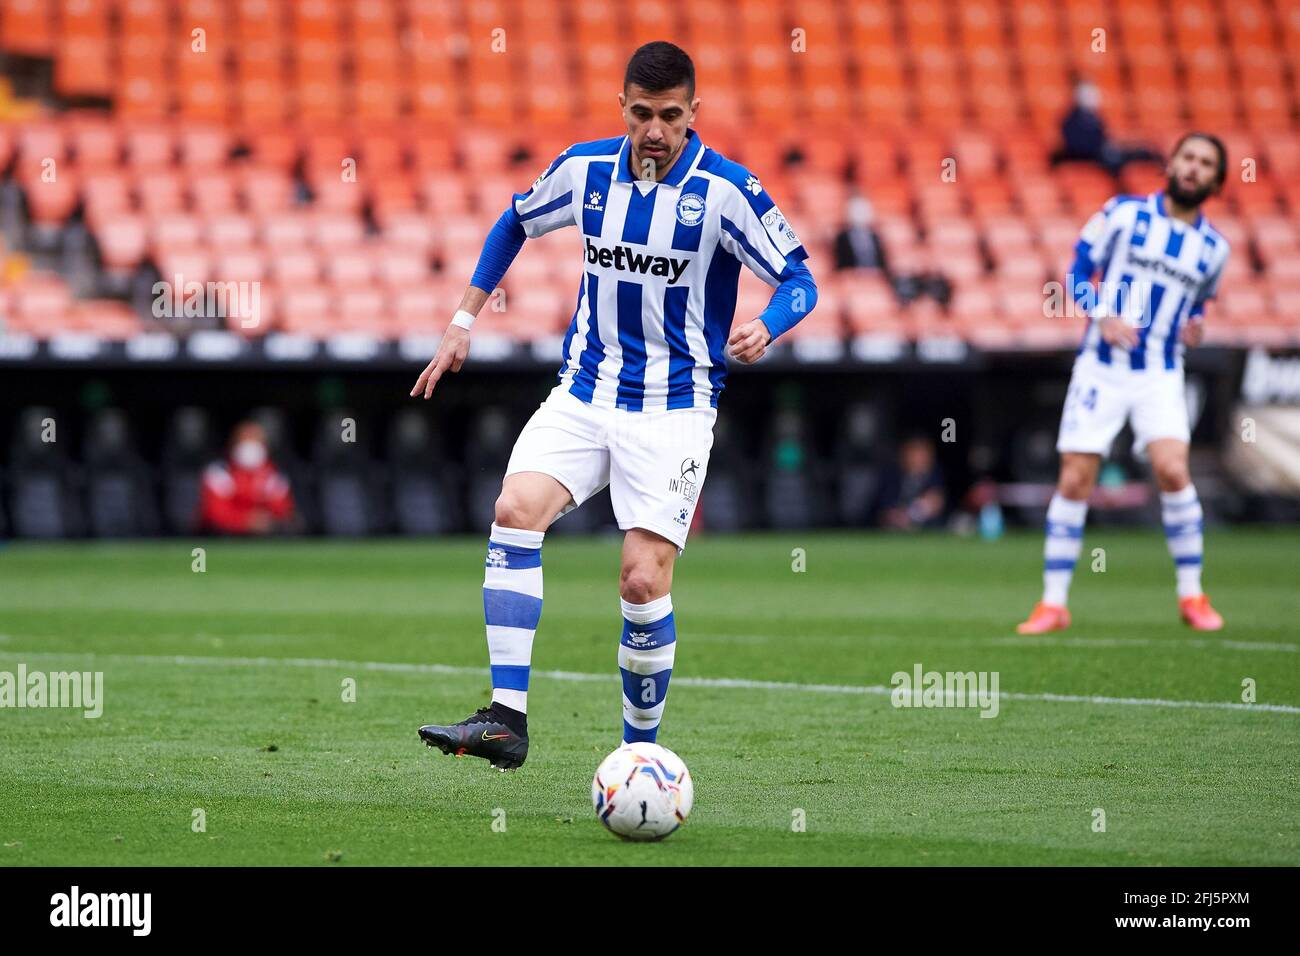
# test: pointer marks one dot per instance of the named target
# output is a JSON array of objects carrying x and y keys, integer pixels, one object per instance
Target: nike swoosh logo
[{"x": 487, "y": 736}]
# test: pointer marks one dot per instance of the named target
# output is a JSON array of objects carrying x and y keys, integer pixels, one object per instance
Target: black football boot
[{"x": 497, "y": 734}]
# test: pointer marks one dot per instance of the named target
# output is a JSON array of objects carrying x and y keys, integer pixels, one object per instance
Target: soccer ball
[{"x": 642, "y": 791}]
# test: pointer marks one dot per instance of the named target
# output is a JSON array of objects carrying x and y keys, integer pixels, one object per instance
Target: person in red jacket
[{"x": 245, "y": 494}]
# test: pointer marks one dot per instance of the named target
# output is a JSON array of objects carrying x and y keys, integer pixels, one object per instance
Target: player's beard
[
  {"x": 666, "y": 161},
  {"x": 1188, "y": 199}
]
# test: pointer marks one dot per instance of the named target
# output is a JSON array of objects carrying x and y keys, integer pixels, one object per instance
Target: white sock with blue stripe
[
  {"x": 1064, "y": 540},
  {"x": 512, "y": 606},
  {"x": 645, "y": 659},
  {"x": 1184, "y": 523}
]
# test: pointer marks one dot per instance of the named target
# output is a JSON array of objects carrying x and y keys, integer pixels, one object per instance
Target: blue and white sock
[
  {"x": 645, "y": 658},
  {"x": 512, "y": 606},
  {"x": 1064, "y": 540},
  {"x": 1184, "y": 523}
]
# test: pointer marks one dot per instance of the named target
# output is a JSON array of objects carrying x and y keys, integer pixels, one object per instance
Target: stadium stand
[{"x": 350, "y": 156}]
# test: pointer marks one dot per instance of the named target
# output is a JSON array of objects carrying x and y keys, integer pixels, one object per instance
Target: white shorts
[
  {"x": 653, "y": 461},
  {"x": 1102, "y": 398}
]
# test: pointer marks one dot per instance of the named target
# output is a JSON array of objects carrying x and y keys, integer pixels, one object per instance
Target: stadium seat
[
  {"x": 187, "y": 449},
  {"x": 283, "y": 92},
  {"x": 41, "y": 483}
]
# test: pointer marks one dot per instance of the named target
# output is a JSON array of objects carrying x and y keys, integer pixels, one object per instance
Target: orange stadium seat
[
  {"x": 175, "y": 232},
  {"x": 29, "y": 26},
  {"x": 292, "y": 266},
  {"x": 282, "y": 230},
  {"x": 123, "y": 242},
  {"x": 212, "y": 193}
]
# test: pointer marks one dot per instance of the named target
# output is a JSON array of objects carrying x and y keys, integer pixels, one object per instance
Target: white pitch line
[
  {"x": 1190, "y": 642},
  {"x": 875, "y": 690}
]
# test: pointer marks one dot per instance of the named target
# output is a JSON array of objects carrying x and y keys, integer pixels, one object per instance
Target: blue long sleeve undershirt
[
  {"x": 499, "y": 250},
  {"x": 1079, "y": 278},
  {"x": 793, "y": 299}
]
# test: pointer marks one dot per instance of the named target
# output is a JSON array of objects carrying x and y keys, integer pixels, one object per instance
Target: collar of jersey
[
  {"x": 685, "y": 162},
  {"x": 1160, "y": 208}
]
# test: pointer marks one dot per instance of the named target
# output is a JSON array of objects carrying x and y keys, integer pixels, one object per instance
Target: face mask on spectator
[{"x": 249, "y": 454}]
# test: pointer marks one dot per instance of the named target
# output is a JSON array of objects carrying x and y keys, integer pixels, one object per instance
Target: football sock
[
  {"x": 1183, "y": 519},
  {"x": 512, "y": 606},
  {"x": 645, "y": 659},
  {"x": 514, "y": 719},
  {"x": 1064, "y": 539}
]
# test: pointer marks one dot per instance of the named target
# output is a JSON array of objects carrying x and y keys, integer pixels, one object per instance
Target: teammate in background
[
  {"x": 1160, "y": 261},
  {"x": 666, "y": 225},
  {"x": 245, "y": 494}
]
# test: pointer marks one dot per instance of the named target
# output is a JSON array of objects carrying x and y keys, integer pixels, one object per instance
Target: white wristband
[{"x": 463, "y": 319}]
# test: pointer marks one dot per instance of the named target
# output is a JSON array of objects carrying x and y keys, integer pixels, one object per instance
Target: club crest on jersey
[
  {"x": 690, "y": 209},
  {"x": 594, "y": 202},
  {"x": 753, "y": 185}
]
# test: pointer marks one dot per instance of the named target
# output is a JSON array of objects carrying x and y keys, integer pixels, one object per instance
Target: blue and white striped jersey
[
  {"x": 660, "y": 268},
  {"x": 1156, "y": 272}
]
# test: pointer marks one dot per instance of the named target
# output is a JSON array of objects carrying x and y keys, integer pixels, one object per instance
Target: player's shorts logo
[
  {"x": 690, "y": 209},
  {"x": 687, "y": 485}
]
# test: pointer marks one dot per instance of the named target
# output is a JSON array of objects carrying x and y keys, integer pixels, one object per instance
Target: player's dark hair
[
  {"x": 659, "y": 66},
  {"x": 1218, "y": 146}
]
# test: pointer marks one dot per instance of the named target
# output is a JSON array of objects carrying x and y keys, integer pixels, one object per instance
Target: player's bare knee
[
  {"x": 1075, "y": 484},
  {"x": 640, "y": 583},
  {"x": 513, "y": 512},
  {"x": 1172, "y": 475}
]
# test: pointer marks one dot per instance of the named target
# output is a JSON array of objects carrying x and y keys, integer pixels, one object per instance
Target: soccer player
[
  {"x": 666, "y": 225},
  {"x": 1160, "y": 260}
]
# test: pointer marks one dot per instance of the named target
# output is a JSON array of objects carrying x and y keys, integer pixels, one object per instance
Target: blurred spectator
[
  {"x": 1084, "y": 138},
  {"x": 858, "y": 245},
  {"x": 912, "y": 491},
  {"x": 245, "y": 494}
]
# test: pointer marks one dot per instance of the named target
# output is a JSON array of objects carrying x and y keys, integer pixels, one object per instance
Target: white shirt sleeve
[
  {"x": 756, "y": 232},
  {"x": 548, "y": 204}
]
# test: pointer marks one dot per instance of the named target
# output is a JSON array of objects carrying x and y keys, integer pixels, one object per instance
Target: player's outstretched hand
[
  {"x": 451, "y": 355},
  {"x": 1118, "y": 332},
  {"x": 1193, "y": 332},
  {"x": 748, "y": 342}
]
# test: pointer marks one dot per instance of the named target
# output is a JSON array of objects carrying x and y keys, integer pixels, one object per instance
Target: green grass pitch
[{"x": 224, "y": 692}]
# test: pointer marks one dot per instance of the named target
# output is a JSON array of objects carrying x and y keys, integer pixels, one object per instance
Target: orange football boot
[
  {"x": 1044, "y": 619},
  {"x": 1196, "y": 611}
]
